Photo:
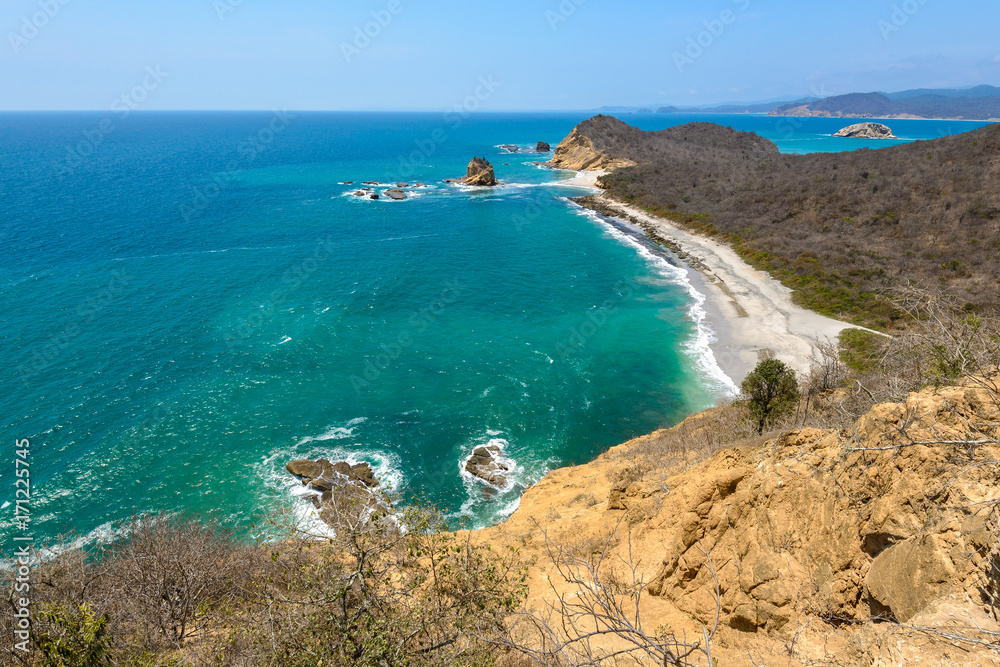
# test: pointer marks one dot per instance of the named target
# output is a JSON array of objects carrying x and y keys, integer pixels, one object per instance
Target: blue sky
[{"x": 433, "y": 54}]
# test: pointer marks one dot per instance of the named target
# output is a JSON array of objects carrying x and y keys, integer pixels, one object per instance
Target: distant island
[
  {"x": 866, "y": 131},
  {"x": 977, "y": 103}
]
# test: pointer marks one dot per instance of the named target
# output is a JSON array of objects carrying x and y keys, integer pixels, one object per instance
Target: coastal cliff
[
  {"x": 800, "y": 539},
  {"x": 578, "y": 153}
]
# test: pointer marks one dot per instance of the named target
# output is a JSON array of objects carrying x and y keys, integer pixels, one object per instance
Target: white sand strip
[
  {"x": 749, "y": 311},
  {"x": 583, "y": 179}
]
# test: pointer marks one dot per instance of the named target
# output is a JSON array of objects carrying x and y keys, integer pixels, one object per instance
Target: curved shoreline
[{"x": 751, "y": 313}]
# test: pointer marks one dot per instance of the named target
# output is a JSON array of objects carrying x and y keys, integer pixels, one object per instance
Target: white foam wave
[
  {"x": 333, "y": 432},
  {"x": 698, "y": 346}
]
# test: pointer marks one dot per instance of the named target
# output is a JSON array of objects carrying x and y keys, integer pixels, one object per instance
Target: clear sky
[{"x": 432, "y": 54}]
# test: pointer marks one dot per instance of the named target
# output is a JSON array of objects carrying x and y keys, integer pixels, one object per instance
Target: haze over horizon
[{"x": 555, "y": 55}]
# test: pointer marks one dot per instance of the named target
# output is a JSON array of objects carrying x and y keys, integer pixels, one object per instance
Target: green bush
[{"x": 771, "y": 390}]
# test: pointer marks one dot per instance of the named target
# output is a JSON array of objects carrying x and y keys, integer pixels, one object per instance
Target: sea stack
[
  {"x": 542, "y": 147},
  {"x": 867, "y": 131},
  {"x": 479, "y": 172}
]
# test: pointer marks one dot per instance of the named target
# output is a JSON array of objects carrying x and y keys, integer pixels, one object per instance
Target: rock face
[
  {"x": 486, "y": 464},
  {"x": 479, "y": 172},
  {"x": 866, "y": 131},
  {"x": 322, "y": 474},
  {"x": 543, "y": 147},
  {"x": 577, "y": 152},
  {"x": 889, "y": 518}
]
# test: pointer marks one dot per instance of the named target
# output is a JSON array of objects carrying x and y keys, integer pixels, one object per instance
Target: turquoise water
[{"x": 191, "y": 300}]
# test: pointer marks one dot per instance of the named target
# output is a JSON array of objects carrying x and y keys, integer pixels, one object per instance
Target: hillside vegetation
[{"x": 841, "y": 229}]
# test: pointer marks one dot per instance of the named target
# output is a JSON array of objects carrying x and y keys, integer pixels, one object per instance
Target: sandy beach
[
  {"x": 584, "y": 179},
  {"x": 750, "y": 312}
]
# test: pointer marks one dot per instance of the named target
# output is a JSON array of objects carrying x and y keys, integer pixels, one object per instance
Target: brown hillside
[
  {"x": 797, "y": 544},
  {"x": 839, "y": 228}
]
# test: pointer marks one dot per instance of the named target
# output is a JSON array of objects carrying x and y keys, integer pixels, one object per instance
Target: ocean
[{"x": 190, "y": 300}]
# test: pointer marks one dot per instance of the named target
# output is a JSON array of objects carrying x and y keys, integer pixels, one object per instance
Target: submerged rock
[
  {"x": 486, "y": 464},
  {"x": 510, "y": 148},
  {"x": 867, "y": 131}
]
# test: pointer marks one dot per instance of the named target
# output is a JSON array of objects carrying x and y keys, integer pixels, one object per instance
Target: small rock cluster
[
  {"x": 397, "y": 193},
  {"x": 486, "y": 464},
  {"x": 346, "y": 490}
]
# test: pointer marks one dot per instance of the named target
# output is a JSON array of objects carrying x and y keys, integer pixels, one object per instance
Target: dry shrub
[
  {"x": 942, "y": 343},
  {"x": 693, "y": 440},
  {"x": 162, "y": 583},
  {"x": 587, "y": 499},
  {"x": 376, "y": 593}
]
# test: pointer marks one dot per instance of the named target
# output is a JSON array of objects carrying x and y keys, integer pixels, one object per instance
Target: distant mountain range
[{"x": 977, "y": 103}]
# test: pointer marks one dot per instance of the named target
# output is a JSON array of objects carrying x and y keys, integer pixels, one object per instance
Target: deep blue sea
[{"x": 190, "y": 300}]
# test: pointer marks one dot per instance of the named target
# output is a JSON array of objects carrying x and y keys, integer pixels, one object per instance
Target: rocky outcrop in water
[
  {"x": 542, "y": 147},
  {"x": 867, "y": 131},
  {"x": 348, "y": 493},
  {"x": 479, "y": 172},
  {"x": 487, "y": 464},
  {"x": 323, "y": 475},
  {"x": 394, "y": 193}
]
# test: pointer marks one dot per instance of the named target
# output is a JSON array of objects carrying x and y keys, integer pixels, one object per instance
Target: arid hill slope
[{"x": 839, "y": 228}]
